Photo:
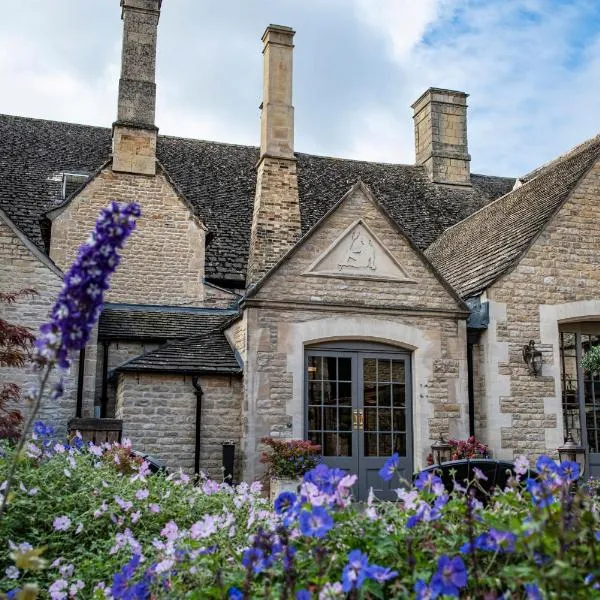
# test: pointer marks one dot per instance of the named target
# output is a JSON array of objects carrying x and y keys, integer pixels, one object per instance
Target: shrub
[
  {"x": 104, "y": 534},
  {"x": 591, "y": 360},
  {"x": 290, "y": 458}
]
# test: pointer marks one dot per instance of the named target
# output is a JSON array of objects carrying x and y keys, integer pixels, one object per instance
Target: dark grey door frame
[{"x": 359, "y": 463}]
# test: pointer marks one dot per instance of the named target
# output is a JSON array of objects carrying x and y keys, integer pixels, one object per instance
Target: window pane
[
  {"x": 345, "y": 392},
  {"x": 369, "y": 369},
  {"x": 345, "y": 415},
  {"x": 315, "y": 438},
  {"x": 385, "y": 444},
  {"x": 330, "y": 444},
  {"x": 345, "y": 369},
  {"x": 384, "y": 371},
  {"x": 314, "y": 417},
  {"x": 329, "y": 392},
  {"x": 398, "y": 395},
  {"x": 330, "y": 419},
  {"x": 370, "y": 419},
  {"x": 370, "y": 394},
  {"x": 314, "y": 368},
  {"x": 384, "y": 394},
  {"x": 399, "y": 420},
  {"x": 398, "y": 371},
  {"x": 400, "y": 444},
  {"x": 329, "y": 367},
  {"x": 370, "y": 444},
  {"x": 345, "y": 444},
  {"x": 315, "y": 390},
  {"x": 385, "y": 419}
]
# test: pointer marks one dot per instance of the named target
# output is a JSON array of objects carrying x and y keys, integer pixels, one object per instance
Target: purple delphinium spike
[{"x": 80, "y": 301}]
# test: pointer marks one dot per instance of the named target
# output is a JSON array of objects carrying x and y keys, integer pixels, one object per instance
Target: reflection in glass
[
  {"x": 370, "y": 444},
  {"x": 398, "y": 371},
  {"x": 345, "y": 369},
  {"x": 384, "y": 371}
]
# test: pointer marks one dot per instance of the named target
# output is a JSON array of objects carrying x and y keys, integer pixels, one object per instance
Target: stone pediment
[{"x": 358, "y": 253}]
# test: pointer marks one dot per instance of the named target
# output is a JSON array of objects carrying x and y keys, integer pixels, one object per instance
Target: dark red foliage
[{"x": 16, "y": 343}]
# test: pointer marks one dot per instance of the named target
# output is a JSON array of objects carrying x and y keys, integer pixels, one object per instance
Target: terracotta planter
[{"x": 279, "y": 485}]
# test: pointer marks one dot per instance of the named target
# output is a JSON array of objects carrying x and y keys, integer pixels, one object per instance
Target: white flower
[
  {"x": 12, "y": 572},
  {"x": 61, "y": 523}
]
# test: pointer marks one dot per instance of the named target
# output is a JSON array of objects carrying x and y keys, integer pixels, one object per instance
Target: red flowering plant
[
  {"x": 290, "y": 459},
  {"x": 463, "y": 449}
]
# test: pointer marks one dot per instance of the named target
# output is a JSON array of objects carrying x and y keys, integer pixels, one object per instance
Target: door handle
[
  {"x": 361, "y": 419},
  {"x": 355, "y": 419}
]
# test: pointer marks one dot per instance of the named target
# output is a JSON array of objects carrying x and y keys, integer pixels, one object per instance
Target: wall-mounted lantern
[
  {"x": 441, "y": 451},
  {"x": 571, "y": 450},
  {"x": 532, "y": 358}
]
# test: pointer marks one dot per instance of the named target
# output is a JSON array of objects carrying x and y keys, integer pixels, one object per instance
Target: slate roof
[
  {"x": 474, "y": 253},
  {"x": 127, "y": 322},
  {"x": 219, "y": 182},
  {"x": 206, "y": 353}
]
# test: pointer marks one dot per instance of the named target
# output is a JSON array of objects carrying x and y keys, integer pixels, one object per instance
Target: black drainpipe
[
  {"x": 104, "y": 397},
  {"x": 472, "y": 339},
  {"x": 80, "y": 374},
  {"x": 199, "y": 394}
]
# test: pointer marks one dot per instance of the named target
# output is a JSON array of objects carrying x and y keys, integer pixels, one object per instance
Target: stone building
[{"x": 368, "y": 307}]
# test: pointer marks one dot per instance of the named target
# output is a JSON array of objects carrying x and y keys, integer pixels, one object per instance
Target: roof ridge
[
  {"x": 557, "y": 159},
  {"x": 544, "y": 170}
]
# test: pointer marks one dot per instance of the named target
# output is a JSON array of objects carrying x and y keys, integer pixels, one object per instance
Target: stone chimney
[
  {"x": 276, "y": 218},
  {"x": 440, "y": 118},
  {"x": 134, "y": 132}
]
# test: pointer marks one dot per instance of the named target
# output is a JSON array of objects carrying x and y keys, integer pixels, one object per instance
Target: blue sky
[{"x": 531, "y": 67}]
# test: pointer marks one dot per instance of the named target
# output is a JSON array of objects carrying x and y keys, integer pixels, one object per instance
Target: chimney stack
[
  {"x": 134, "y": 132},
  {"x": 276, "y": 218},
  {"x": 440, "y": 118}
]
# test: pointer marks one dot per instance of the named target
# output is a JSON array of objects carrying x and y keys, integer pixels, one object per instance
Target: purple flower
[
  {"x": 315, "y": 523},
  {"x": 533, "y": 592},
  {"x": 284, "y": 502},
  {"x": 61, "y": 523},
  {"x": 380, "y": 574},
  {"x": 426, "y": 480},
  {"x": 521, "y": 465},
  {"x": 355, "y": 572},
  {"x": 479, "y": 474},
  {"x": 80, "y": 301},
  {"x": 324, "y": 478},
  {"x": 541, "y": 496},
  {"x": 547, "y": 467},
  {"x": 254, "y": 559},
  {"x": 423, "y": 591},
  {"x": 303, "y": 595},
  {"x": 391, "y": 466},
  {"x": 493, "y": 541},
  {"x": 235, "y": 594},
  {"x": 450, "y": 576},
  {"x": 568, "y": 470}
]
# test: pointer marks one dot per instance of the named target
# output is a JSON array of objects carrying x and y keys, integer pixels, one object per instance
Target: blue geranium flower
[
  {"x": 492, "y": 541},
  {"x": 324, "y": 478},
  {"x": 284, "y": 502},
  {"x": 380, "y": 574},
  {"x": 533, "y": 592},
  {"x": 235, "y": 594},
  {"x": 541, "y": 496},
  {"x": 450, "y": 577},
  {"x": 568, "y": 470},
  {"x": 423, "y": 591},
  {"x": 426, "y": 480},
  {"x": 303, "y": 595},
  {"x": 391, "y": 466},
  {"x": 254, "y": 558},
  {"x": 355, "y": 572},
  {"x": 315, "y": 523},
  {"x": 546, "y": 466}
]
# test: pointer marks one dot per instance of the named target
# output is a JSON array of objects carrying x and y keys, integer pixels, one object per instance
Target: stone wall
[
  {"x": 22, "y": 266},
  {"x": 159, "y": 416},
  {"x": 163, "y": 261},
  {"x": 557, "y": 278},
  {"x": 293, "y": 309},
  {"x": 118, "y": 352}
]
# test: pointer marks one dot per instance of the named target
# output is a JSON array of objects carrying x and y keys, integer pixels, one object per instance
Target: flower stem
[{"x": 21, "y": 444}]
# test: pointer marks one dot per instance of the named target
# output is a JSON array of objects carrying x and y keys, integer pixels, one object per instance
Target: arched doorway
[{"x": 358, "y": 408}]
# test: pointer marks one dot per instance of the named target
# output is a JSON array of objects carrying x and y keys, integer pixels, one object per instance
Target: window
[
  {"x": 580, "y": 389},
  {"x": 72, "y": 182}
]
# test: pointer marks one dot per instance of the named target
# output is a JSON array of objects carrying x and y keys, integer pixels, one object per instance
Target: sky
[{"x": 531, "y": 69}]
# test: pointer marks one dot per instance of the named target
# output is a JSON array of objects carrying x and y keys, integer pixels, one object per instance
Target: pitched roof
[
  {"x": 137, "y": 322},
  {"x": 219, "y": 182},
  {"x": 474, "y": 253},
  {"x": 206, "y": 353}
]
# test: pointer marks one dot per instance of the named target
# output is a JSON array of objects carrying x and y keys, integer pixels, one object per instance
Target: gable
[
  {"x": 562, "y": 264},
  {"x": 163, "y": 261},
  {"x": 357, "y": 256}
]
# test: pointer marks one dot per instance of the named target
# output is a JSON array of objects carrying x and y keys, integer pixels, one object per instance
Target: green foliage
[{"x": 591, "y": 360}]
